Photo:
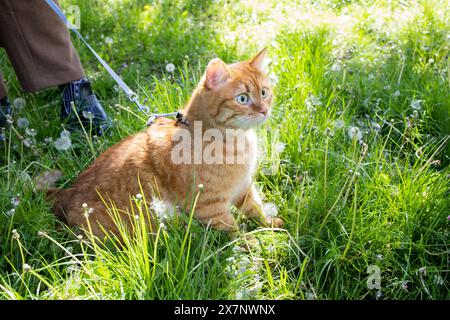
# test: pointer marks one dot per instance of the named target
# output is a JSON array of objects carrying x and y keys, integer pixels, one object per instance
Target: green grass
[{"x": 380, "y": 66}]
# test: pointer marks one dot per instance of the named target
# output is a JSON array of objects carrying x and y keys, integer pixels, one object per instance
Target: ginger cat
[{"x": 229, "y": 97}]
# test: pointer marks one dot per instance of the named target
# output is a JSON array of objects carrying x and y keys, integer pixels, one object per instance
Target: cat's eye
[
  {"x": 263, "y": 92},
  {"x": 242, "y": 98}
]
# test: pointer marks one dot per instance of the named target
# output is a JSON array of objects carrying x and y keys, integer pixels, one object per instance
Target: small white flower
[
  {"x": 159, "y": 207},
  {"x": 23, "y": 123},
  {"x": 15, "y": 234},
  {"x": 63, "y": 143},
  {"x": 19, "y": 103},
  {"x": 65, "y": 134},
  {"x": 139, "y": 197},
  {"x": 109, "y": 40},
  {"x": 10, "y": 212},
  {"x": 279, "y": 147},
  {"x": 31, "y": 132},
  {"x": 170, "y": 67},
  {"x": 41, "y": 233},
  {"x": 397, "y": 93},
  {"x": 27, "y": 142},
  {"x": 270, "y": 209},
  {"x": 354, "y": 133},
  {"x": 26, "y": 267},
  {"x": 15, "y": 201},
  {"x": 379, "y": 257},
  {"x": 201, "y": 187},
  {"x": 87, "y": 115},
  {"x": 162, "y": 225},
  {"x": 339, "y": 124},
  {"x": 415, "y": 104},
  {"x": 371, "y": 76}
]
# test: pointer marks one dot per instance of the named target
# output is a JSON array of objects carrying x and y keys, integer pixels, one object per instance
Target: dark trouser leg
[
  {"x": 3, "y": 90},
  {"x": 38, "y": 45}
]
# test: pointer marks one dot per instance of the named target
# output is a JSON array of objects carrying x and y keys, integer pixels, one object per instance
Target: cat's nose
[{"x": 264, "y": 111}]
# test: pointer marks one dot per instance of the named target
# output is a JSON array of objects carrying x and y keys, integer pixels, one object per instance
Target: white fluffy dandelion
[
  {"x": 170, "y": 67},
  {"x": 270, "y": 209},
  {"x": 109, "y": 40},
  {"x": 64, "y": 133},
  {"x": 23, "y": 123},
  {"x": 19, "y": 103},
  {"x": 30, "y": 132},
  {"x": 159, "y": 207},
  {"x": 87, "y": 115},
  {"x": 416, "y": 104},
  {"x": 355, "y": 133},
  {"x": 63, "y": 143}
]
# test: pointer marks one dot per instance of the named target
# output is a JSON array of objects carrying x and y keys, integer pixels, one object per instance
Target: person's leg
[
  {"x": 3, "y": 90},
  {"x": 38, "y": 44},
  {"x": 5, "y": 106}
]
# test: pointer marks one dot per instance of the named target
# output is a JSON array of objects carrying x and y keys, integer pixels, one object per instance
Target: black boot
[
  {"x": 5, "y": 111},
  {"x": 86, "y": 104}
]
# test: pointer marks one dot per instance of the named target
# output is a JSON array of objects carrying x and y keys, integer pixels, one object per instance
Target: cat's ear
[
  {"x": 216, "y": 74},
  {"x": 258, "y": 61}
]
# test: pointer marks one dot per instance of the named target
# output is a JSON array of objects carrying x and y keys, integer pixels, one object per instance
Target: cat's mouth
[{"x": 250, "y": 121}]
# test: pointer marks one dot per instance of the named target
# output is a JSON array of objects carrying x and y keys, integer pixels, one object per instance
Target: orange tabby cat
[{"x": 229, "y": 97}]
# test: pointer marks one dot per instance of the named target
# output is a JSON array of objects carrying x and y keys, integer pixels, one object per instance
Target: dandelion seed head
[
  {"x": 87, "y": 114},
  {"x": 15, "y": 201},
  {"x": 354, "y": 133},
  {"x": 270, "y": 209},
  {"x": 15, "y": 234},
  {"x": 27, "y": 142},
  {"x": 19, "y": 103},
  {"x": 63, "y": 143},
  {"x": 64, "y": 133},
  {"x": 416, "y": 105},
  {"x": 159, "y": 207},
  {"x": 23, "y": 123},
  {"x": 109, "y": 40},
  {"x": 41, "y": 233},
  {"x": 30, "y": 132},
  {"x": 170, "y": 67}
]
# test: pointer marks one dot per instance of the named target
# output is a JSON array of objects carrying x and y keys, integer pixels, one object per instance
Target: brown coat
[{"x": 38, "y": 45}]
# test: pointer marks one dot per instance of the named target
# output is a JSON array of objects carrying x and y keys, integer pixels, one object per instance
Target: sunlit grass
[{"x": 355, "y": 158}]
